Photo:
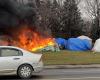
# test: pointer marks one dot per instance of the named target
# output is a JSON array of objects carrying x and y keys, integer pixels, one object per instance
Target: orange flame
[{"x": 32, "y": 40}]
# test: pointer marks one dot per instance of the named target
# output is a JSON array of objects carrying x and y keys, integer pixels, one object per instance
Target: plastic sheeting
[
  {"x": 76, "y": 44},
  {"x": 51, "y": 48},
  {"x": 61, "y": 42},
  {"x": 96, "y": 47},
  {"x": 85, "y": 38}
]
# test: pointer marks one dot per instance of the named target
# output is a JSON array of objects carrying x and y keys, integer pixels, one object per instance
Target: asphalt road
[{"x": 62, "y": 74}]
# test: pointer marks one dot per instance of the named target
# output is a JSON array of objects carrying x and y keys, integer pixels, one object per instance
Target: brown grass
[{"x": 70, "y": 57}]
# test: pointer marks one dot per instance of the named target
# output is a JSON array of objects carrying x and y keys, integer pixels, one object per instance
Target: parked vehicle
[{"x": 14, "y": 60}]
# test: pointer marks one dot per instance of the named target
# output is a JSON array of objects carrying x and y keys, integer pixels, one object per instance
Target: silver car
[{"x": 14, "y": 60}]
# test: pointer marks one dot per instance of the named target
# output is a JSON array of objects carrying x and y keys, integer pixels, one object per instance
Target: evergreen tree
[
  {"x": 55, "y": 19},
  {"x": 71, "y": 19}
]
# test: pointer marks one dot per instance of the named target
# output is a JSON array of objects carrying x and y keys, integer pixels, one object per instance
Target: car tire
[{"x": 25, "y": 71}]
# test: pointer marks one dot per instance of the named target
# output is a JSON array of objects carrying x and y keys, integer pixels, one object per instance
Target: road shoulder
[{"x": 71, "y": 66}]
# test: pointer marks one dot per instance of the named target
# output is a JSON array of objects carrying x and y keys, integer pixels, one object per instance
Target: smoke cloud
[
  {"x": 17, "y": 25},
  {"x": 12, "y": 14}
]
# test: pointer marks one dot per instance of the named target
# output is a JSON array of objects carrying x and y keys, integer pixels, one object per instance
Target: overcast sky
[{"x": 82, "y": 7}]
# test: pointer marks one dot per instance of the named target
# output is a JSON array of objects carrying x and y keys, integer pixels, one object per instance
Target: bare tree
[
  {"x": 78, "y": 1},
  {"x": 93, "y": 11},
  {"x": 93, "y": 8},
  {"x": 60, "y": 2}
]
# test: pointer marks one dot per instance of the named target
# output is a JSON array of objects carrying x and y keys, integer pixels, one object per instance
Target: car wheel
[{"x": 25, "y": 71}]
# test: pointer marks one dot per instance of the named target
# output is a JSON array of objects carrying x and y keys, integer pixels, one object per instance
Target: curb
[{"x": 71, "y": 66}]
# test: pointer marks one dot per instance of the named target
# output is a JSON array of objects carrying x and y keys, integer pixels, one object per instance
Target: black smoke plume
[{"x": 13, "y": 14}]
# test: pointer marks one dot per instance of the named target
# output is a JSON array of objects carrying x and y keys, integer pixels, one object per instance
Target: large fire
[
  {"x": 27, "y": 38},
  {"x": 33, "y": 41}
]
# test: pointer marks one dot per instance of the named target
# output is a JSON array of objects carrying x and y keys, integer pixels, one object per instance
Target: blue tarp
[
  {"x": 60, "y": 41},
  {"x": 76, "y": 44}
]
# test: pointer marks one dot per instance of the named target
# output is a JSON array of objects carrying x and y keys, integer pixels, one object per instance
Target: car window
[{"x": 10, "y": 52}]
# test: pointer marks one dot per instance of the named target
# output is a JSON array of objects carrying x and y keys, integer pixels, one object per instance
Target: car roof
[
  {"x": 10, "y": 47},
  {"x": 23, "y": 50}
]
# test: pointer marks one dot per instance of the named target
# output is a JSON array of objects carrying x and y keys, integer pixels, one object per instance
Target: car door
[{"x": 10, "y": 59}]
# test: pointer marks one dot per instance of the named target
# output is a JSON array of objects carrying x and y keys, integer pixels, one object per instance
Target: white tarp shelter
[{"x": 96, "y": 47}]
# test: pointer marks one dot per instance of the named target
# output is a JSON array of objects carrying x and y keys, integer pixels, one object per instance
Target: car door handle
[{"x": 16, "y": 58}]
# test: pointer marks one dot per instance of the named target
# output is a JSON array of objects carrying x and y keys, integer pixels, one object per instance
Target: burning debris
[
  {"x": 33, "y": 40},
  {"x": 16, "y": 21},
  {"x": 4, "y": 40}
]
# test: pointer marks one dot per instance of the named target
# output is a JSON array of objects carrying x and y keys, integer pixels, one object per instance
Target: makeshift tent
[
  {"x": 61, "y": 42},
  {"x": 76, "y": 44},
  {"x": 85, "y": 37},
  {"x": 96, "y": 47}
]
